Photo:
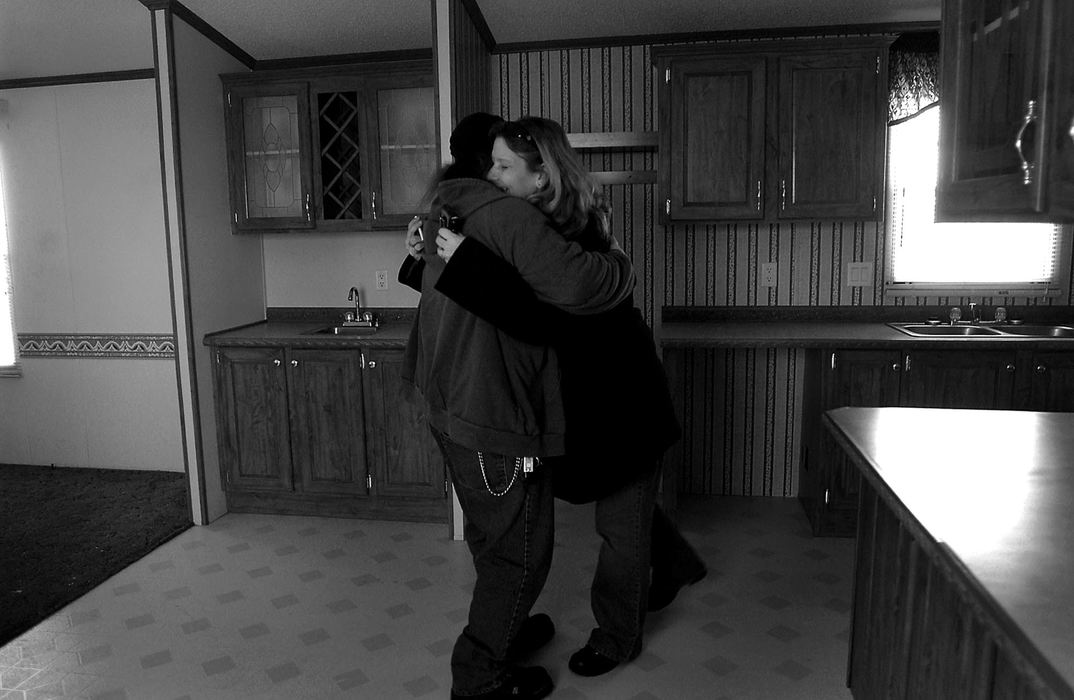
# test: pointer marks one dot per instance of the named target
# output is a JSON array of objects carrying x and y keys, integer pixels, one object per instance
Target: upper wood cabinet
[
  {"x": 1007, "y": 111},
  {"x": 781, "y": 129},
  {"x": 335, "y": 149}
]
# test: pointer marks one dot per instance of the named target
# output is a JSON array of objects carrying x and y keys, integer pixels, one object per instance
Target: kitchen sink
[
  {"x": 1039, "y": 331},
  {"x": 344, "y": 330},
  {"x": 921, "y": 329},
  {"x": 962, "y": 330}
]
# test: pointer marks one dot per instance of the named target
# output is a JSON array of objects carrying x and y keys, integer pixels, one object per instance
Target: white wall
[
  {"x": 85, "y": 222},
  {"x": 317, "y": 269},
  {"x": 224, "y": 273}
]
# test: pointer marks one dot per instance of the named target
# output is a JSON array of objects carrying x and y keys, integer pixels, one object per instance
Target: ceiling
[
  {"x": 63, "y": 37},
  {"x": 278, "y": 29}
]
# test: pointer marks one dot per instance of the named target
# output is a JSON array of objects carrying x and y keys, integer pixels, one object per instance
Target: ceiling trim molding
[
  {"x": 344, "y": 59},
  {"x": 202, "y": 27},
  {"x": 729, "y": 35},
  {"x": 78, "y": 78},
  {"x": 482, "y": 27}
]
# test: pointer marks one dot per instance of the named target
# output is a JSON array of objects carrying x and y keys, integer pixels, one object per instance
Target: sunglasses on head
[{"x": 516, "y": 132}]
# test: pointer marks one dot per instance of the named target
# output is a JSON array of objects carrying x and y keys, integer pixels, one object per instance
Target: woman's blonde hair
[{"x": 571, "y": 198}]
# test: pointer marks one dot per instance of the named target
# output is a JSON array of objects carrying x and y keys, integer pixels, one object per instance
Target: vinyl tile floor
[{"x": 262, "y": 606}]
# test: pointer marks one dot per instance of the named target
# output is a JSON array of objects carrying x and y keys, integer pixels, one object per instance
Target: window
[
  {"x": 8, "y": 358},
  {"x": 1002, "y": 259}
]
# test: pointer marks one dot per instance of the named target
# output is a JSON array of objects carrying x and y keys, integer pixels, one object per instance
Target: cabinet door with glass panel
[
  {"x": 268, "y": 155},
  {"x": 1007, "y": 135},
  {"x": 376, "y": 149}
]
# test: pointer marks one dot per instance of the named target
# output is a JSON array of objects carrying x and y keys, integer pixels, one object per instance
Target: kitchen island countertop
[{"x": 989, "y": 493}]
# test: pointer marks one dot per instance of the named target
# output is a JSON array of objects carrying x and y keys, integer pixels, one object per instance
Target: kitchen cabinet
[
  {"x": 324, "y": 432},
  {"x": 334, "y": 149},
  {"x": 405, "y": 460},
  {"x": 830, "y": 485},
  {"x": 1052, "y": 381},
  {"x": 1007, "y": 111},
  {"x": 792, "y": 130},
  {"x": 829, "y": 481}
]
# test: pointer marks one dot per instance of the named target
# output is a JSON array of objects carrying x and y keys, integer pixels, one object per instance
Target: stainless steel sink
[
  {"x": 963, "y": 330},
  {"x": 925, "y": 329},
  {"x": 1039, "y": 331},
  {"x": 344, "y": 330}
]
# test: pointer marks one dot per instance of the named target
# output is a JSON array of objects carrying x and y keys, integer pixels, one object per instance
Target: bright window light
[
  {"x": 7, "y": 324},
  {"x": 965, "y": 255}
]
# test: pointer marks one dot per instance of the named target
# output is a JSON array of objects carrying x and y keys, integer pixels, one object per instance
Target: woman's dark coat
[{"x": 619, "y": 413}]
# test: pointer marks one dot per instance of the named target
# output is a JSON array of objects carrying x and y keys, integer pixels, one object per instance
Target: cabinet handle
[
  {"x": 906, "y": 363},
  {"x": 372, "y": 364},
  {"x": 667, "y": 206},
  {"x": 783, "y": 194},
  {"x": 1009, "y": 367},
  {"x": 758, "y": 195},
  {"x": 1040, "y": 369},
  {"x": 276, "y": 362},
  {"x": 894, "y": 366},
  {"x": 294, "y": 363},
  {"x": 374, "y": 195},
  {"x": 1071, "y": 132},
  {"x": 1027, "y": 167},
  {"x": 309, "y": 216}
]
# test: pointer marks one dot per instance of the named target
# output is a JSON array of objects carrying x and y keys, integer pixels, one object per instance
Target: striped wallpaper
[{"x": 741, "y": 408}]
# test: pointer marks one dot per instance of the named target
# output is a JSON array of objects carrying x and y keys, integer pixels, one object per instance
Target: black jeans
[
  {"x": 635, "y": 535},
  {"x": 509, "y": 529}
]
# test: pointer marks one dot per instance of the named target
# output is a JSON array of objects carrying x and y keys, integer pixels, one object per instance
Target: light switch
[{"x": 859, "y": 274}]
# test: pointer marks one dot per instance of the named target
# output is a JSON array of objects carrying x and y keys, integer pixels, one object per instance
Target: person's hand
[
  {"x": 415, "y": 242},
  {"x": 447, "y": 241}
]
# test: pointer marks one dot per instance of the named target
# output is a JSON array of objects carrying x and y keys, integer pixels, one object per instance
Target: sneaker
[
  {"x": 534, "y": 632},
  {"x": 517, "y": 683}
]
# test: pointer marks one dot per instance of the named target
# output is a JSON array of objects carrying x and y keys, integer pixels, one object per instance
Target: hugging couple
[{"x": 540, "y": 380}]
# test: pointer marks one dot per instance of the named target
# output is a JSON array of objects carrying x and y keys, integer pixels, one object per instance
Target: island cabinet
[
  {"x": 1007, "y": 111},
  {"x": 830, "y": 486},
  {"x": 780, "y": 129},
  {"x": 342, "y": 148},
  {"x": 324, "y": 432},
  {"x": 967, "y": 595}
]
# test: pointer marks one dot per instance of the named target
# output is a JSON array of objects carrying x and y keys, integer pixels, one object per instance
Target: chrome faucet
[
  {"x": 353, "y": 296},
  {"x": 955, "y": 315}
]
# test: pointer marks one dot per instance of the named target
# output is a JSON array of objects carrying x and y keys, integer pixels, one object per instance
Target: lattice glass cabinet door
[
  {"x": 269, "y": 157},
  {"x": 406, "y": 150}
]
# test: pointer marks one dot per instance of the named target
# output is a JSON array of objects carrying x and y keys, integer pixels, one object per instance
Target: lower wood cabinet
[
  {"x": 829, "y": 485},
  {"x": 324, "y": 432},
  {"x": 1051, "y": 387}
]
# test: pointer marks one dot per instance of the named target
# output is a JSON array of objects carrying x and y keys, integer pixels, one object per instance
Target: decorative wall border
[{"x": 120, "y": 346}]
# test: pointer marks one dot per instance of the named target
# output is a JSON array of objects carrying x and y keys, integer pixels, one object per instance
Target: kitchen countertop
[
  {"x": 392, "y": 333},
  {"x": 293, "y": 327},
  {"x": 998, "y": 507},
  {"x": 825, "y": 334}
]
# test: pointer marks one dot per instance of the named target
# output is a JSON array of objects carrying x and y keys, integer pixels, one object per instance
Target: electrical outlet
[
  {"x": 859, "y": 274},
  {"x": 767, "y": 274},
  {"x": 382, "y": 279}
]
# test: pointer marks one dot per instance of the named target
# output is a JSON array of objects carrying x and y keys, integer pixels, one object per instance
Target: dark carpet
[{"x": 64, "y": 530}]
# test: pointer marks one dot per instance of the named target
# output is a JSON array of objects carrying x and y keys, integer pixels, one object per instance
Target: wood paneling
[{"x": 470, "y": 68}]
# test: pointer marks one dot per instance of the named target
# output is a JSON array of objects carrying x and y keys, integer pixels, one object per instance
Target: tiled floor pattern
[{"x": 257, "y": 606}]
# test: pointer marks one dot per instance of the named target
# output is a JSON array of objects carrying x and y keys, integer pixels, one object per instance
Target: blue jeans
[
  {"x": 509, "y": 529},
  {"x": 635, "y": 535}
]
